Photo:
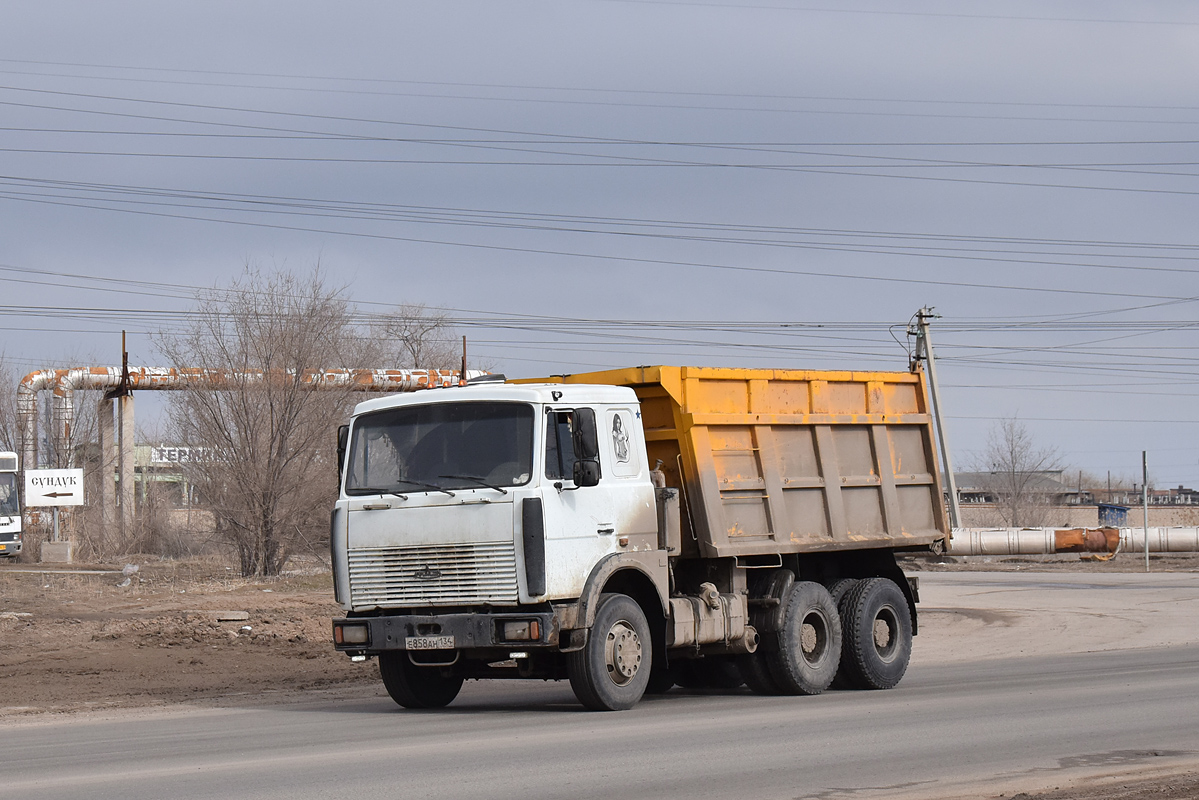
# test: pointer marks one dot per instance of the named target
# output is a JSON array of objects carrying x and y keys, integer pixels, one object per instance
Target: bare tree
[
  {"x": 415, "y": 337},
  {"x": 9, "y": 434},
  {"x": 268, "y": 469},
  {"x": 1018, "y": 472}
]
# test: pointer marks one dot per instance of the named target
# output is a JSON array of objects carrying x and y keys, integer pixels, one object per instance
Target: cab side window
[{"x": 559, "y": 450}]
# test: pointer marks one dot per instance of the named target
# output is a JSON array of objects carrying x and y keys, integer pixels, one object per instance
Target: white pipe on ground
[
  {"x": 1001, "y": 541},
  {"x": 1046, "y": 541},
  {"x": 1161, "y": 540}
]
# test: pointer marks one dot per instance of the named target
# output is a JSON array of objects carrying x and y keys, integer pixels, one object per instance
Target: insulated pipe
[
  {"x": 1045, "y": 541},
  {"x": 1000, "y": 541},
  {"x": 27, "y": 391},
  {"x": 1161, "y": 540},
  {"x": 65, "y": 382}
]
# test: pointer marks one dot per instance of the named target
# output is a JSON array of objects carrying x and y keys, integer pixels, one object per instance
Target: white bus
[{"x": 10, "y": 507}]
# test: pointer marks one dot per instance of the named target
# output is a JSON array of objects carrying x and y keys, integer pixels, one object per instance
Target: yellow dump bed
[{"x": 785, "y": 461}]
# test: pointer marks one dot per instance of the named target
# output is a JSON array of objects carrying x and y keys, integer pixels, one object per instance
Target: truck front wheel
[
  {"x": 809, "y": 647},
  {"x": 611, "y": 672},
  {"x": 416, "y": 687}
]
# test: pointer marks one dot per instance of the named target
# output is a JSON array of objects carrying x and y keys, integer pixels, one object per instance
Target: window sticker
[{"x": 620, "y": 440}]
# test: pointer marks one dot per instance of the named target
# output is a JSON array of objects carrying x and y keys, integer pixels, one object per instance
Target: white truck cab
[
  {"x": 473, "y": 520},
  {"x": 439, "y": 486}
]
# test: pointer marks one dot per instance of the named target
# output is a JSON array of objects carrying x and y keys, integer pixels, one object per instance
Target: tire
[
  {"x": 839, "y": 589},
  {"x": 416, "y": 687},
  {"x": 878, "y": 634},
  {"x": 612, "y": 671},
  {"x": 713, "y": 672},
  {"x": 809, "y": 642},
  {"x": 755, "y": 671}
]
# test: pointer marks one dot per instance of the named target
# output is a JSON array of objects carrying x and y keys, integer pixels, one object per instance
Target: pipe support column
[{"x": 125, "y": 463}]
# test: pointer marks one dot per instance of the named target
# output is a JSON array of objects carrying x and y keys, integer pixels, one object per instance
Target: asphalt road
[{"x": 970, "y": 727}]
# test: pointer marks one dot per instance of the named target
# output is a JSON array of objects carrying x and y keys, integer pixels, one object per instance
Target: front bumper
[{"x": 470, "y": 631}]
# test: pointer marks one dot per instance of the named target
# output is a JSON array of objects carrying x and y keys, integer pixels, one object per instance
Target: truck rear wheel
[
  {"x": 878, "y": 634},
  {"x": 755, "y": 671},
  {"x": 612, "y": 670},
  {"x": 839, "y": 589},
  {"x": 809, "y": 642},
  {"x": 416, "y": 687}
]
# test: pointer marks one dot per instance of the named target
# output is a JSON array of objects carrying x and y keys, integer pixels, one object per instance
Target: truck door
[{"x": 585, "y": 523}]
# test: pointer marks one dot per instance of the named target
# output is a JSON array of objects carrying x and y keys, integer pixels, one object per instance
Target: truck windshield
[
  {"x": 441, "y": 445},
  {"x": 8, "y": 495}
]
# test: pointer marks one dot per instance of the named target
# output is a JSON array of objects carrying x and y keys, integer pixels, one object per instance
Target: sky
[{"x": 586, "y": 184}]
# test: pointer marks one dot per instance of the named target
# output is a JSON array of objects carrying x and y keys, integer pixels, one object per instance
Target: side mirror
[
  {"x": 343, "y": 440},
  {"x": 587, "y": 473},
  {"x": 586, "y": 437},
  {"x": 586, "y": 447}
]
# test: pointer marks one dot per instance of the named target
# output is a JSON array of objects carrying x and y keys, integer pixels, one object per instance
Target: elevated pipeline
[{"x": 65, "y": 382}]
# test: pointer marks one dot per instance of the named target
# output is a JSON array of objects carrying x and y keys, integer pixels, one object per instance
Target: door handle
[
  {"x": 606, "y": 531},
  {"x": 375, "y": 506}
]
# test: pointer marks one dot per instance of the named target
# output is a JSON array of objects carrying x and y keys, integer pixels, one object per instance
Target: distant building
[
  {"x": 1182, "y": 496},
  {"x": 157, "y": 470},
  {"x": 1047, "y": 486}
]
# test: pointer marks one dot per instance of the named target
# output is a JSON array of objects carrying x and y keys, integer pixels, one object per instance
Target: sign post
[{"x": 54, "y": 488}]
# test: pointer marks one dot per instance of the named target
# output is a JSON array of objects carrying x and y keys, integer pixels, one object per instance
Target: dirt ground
[
  {"x": 87, "y": 637},
  {"x": 77, "y": 641}
]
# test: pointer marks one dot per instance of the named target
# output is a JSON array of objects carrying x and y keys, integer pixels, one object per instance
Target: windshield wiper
[
  {"x": 373, "y": 490},
  {"x": 477, "y": 480},
  {"x": 423, "y": 485}
]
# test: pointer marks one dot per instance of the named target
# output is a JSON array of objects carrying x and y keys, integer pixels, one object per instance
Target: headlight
[
  {"x": 522, "y": 631},
  {"x": 351, "y": 634}
]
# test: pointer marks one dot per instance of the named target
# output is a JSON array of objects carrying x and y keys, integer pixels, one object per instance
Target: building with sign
[{"x": 160, "y": 471}]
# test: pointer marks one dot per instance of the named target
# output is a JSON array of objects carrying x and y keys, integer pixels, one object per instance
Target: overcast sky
[{"x": 605, "y": 183}]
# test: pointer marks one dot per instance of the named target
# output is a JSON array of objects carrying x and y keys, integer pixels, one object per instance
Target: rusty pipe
[
  {"x": 27, "y": 391},
  {"x": 64, "y": 383},
  {"x": 1032, "y": 541}
]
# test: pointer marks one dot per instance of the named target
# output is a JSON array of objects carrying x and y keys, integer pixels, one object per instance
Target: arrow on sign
[{"x": 60, "y": 494}]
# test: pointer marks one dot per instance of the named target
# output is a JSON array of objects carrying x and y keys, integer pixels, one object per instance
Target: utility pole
[
  {"x": 924, "y": 350},
  {"x": 125, "y": 443},
  {"x": 1145, "y": 501},
  {"x": 462, "y": 372}
]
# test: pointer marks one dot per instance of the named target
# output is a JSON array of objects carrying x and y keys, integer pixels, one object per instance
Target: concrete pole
[
  {"x": 108, "y": 461},
  {"x": 125, "y": 463},
  {"x": 1145, "y": 500},
  {"x": 924, "y": 346}
]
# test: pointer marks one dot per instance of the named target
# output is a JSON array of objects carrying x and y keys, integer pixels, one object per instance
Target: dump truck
[{"x": 633, "y": 529}]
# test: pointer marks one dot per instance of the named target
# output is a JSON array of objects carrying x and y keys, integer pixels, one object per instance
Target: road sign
[{"x": 53, "y": 487}]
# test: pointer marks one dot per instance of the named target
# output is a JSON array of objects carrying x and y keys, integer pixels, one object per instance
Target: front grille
[
  {"x": 8, "y": 537},
  {"x": 433, "y": 575}
]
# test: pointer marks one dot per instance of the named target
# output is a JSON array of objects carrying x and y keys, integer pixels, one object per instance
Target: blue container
[{"x": 1112, "y": 516}]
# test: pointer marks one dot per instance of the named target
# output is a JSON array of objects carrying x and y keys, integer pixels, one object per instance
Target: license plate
[
  {"x": 429, "y": 642},
  {"x": 3, "y": 547}
]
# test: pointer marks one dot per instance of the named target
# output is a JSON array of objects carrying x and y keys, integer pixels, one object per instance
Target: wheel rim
[
  {"x": 885, "y": 633},
  {"x": 814, "y": 638},
  {"x": 622, "y": 653}
]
